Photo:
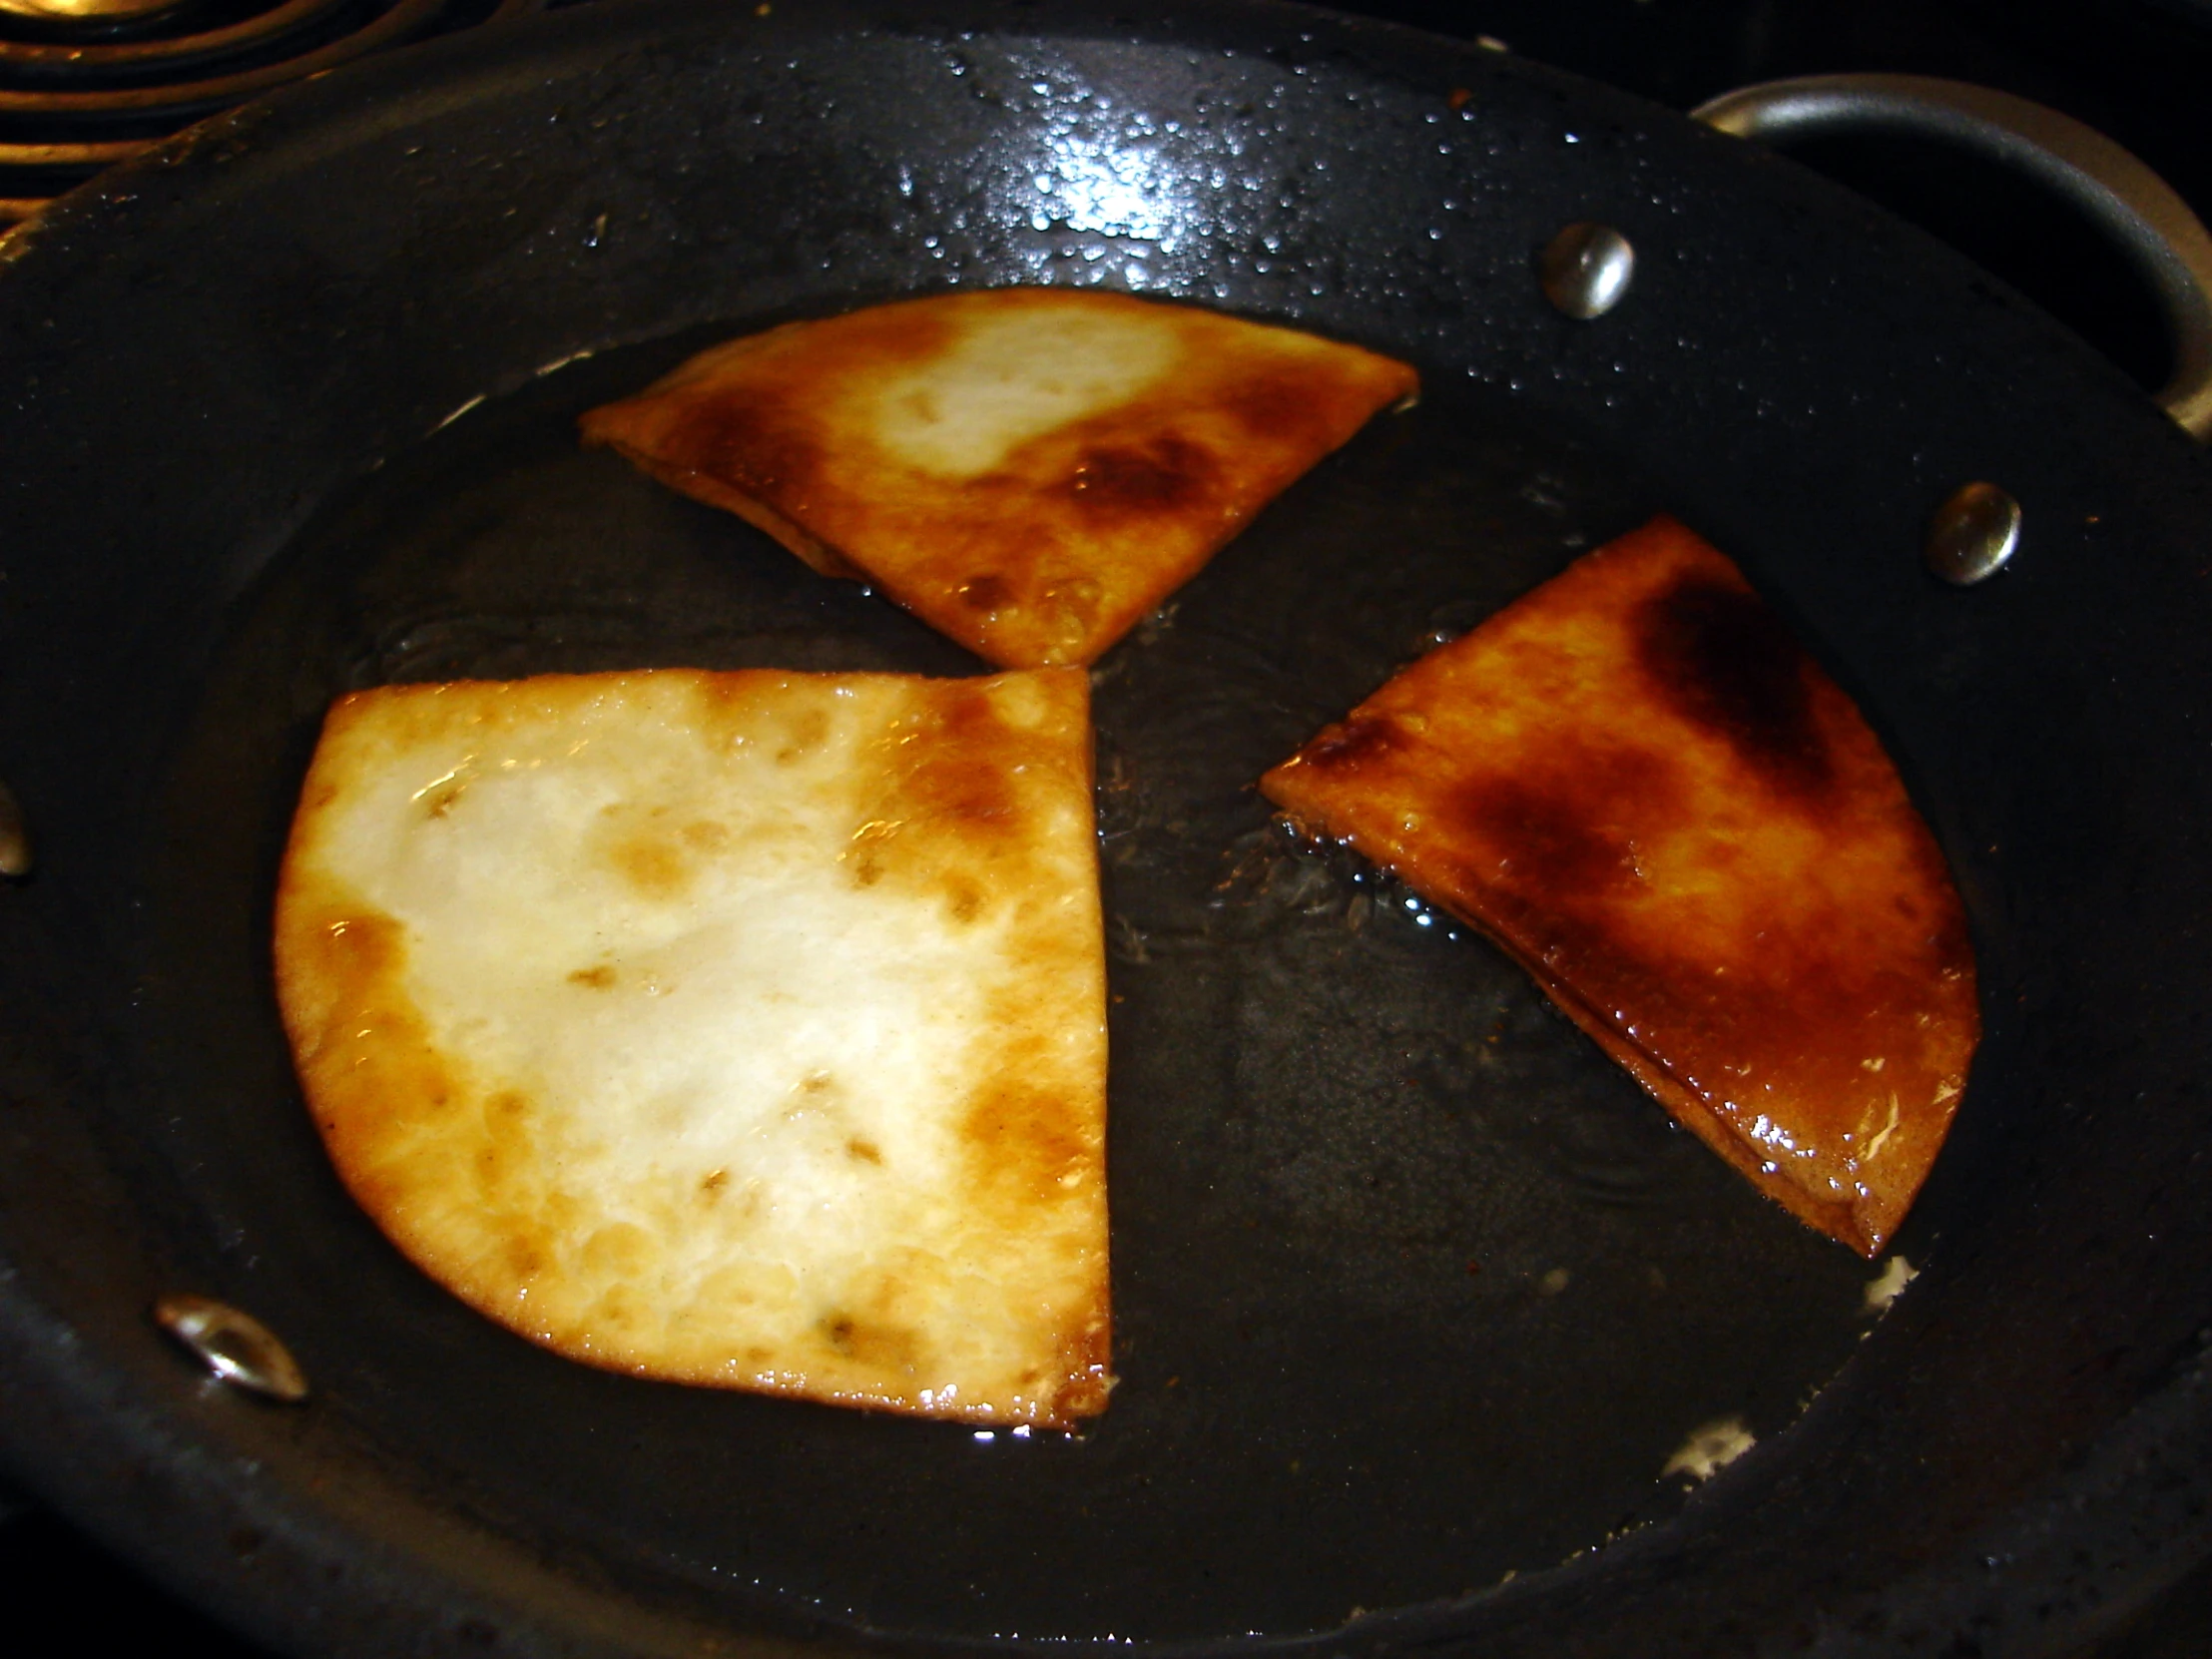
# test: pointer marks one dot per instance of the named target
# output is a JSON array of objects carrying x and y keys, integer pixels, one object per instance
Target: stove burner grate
[{"x": 86, "y": 83}]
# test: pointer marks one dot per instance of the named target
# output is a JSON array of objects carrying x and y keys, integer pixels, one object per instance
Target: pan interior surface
[{"x": 1414, "y": 1290}]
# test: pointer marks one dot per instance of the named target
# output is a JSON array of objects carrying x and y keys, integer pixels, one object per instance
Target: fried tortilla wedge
[
  {"x": 1028, "y": 470},
  {"x": 1637, "y": 782},
  {"x": 743, "y": 1029}
]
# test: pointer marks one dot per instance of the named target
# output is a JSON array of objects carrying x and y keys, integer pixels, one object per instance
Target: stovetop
[{"x": 85, "y": 83}]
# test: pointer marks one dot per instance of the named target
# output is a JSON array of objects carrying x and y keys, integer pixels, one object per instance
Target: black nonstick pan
[{"x": 1420, "y": 1302}]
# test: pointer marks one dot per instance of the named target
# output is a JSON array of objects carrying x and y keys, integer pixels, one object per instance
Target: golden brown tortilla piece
[
  {"x": 743, "y": 1029},
  {"x": 1637, "y": 782},
  {"x": 1028, "y": 470}
]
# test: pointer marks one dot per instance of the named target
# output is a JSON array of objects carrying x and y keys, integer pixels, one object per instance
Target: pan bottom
[{"x": 1413, "y": 1288}]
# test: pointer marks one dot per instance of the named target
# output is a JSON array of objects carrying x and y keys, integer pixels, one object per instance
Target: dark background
[{"x": 2139, "y": 70}]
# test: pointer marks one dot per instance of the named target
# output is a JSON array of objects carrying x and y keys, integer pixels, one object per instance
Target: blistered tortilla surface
[
  {"x": 1029, "y": 470},
  {"x": 1637, "y": 781},
  {"x": 741, "y": 1028}
]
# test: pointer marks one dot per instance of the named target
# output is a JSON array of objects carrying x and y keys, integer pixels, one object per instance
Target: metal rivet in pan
[
  {"x": 15, "y": 837},
  {"x": 1972, "y": 534},
  {"x": 1586, "y": 268},
  {"x": 236, "y": 1346}
]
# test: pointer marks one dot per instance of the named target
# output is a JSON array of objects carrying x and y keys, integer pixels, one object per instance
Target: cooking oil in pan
[{"x": 1414, "y": 1290}]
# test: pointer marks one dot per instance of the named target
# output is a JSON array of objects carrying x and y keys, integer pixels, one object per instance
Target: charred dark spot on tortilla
[
  {"x": 750, "y": 441},
  {"x": 526, "y": 1257},
  {"x": 713, "y": 1184},
  {"x": 810, "y": 730},
  {"x": 1157, "y": 476},
  {"x": 654, "y": 865},
  {"x": 966, "y": 900},
  {"x": 1727, "y": 661},
  {"x": 596, "y": 979},
  {"x": 872, "y": 1337},
  {"x": 864, "y": 1152},
  {"x": 440, "y": 799},
  {"x": 944, "y": 786},
  {"x": 1546, "y": 845},
  {"x": 984, "y": 593},
  {"x": 1020, "y": 1140},
  {"x": 1286, "y": 404},
  {"x": 1554, "y": 830},
  {"x": 1352, "y": 745}
]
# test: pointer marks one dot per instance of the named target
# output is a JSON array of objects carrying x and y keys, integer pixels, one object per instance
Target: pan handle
[{"x": 2165, "y": 242}]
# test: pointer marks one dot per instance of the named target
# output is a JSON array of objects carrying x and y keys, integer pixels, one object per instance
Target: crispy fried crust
[
  {"x": 1636, "y": 781},
  {"x": 1028, "y": 470},
  {"x": 743, "y": 1029}
]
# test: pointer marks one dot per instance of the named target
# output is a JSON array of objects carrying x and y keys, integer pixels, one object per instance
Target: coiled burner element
[{"x": 86, "y": 83}]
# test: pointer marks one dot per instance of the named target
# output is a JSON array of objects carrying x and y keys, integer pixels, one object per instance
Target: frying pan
[{"x": 1416, "y": 1297}]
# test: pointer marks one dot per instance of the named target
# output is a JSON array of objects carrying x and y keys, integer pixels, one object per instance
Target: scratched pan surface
[{"x": 1416, "y": 1296}]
